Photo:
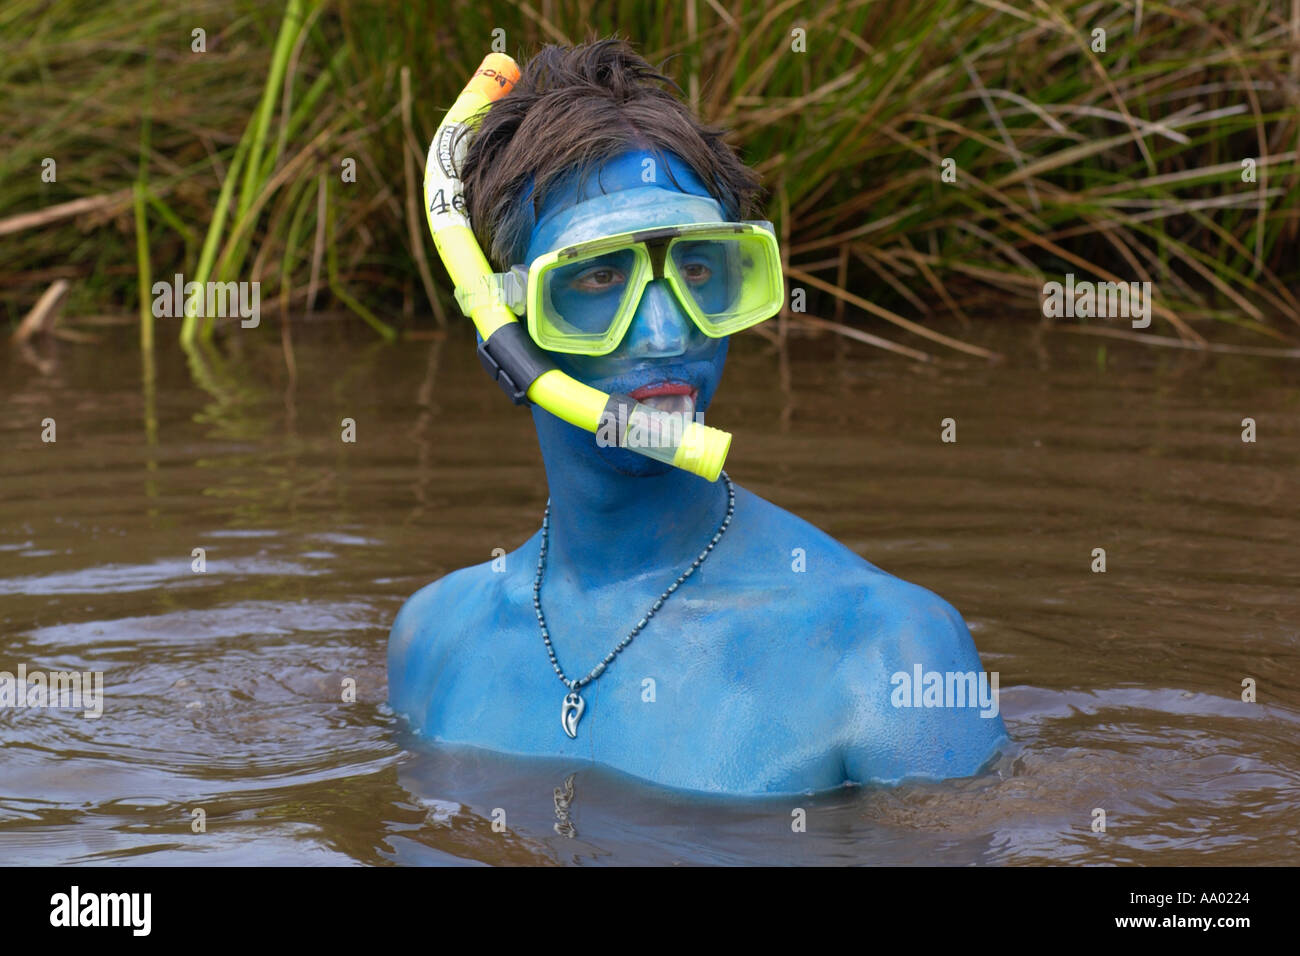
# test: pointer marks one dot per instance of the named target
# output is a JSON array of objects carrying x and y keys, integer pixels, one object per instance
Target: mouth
[{"x": 672, "y": 397}]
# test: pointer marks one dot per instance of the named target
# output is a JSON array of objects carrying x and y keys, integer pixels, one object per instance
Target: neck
[{"x": 607, "y": 524}]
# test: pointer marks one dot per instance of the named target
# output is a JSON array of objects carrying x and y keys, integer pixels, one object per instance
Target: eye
[
  {"x": 598, "y": 279},
  {"x": 696, "y": 273}
]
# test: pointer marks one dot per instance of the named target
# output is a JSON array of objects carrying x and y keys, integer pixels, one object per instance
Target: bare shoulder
[
  {"x": 859, "y": 601},
  {"x": 436, "y": 619}
]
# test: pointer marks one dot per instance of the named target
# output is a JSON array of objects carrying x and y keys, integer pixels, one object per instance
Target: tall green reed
[{"x": 1123, "y": 162}]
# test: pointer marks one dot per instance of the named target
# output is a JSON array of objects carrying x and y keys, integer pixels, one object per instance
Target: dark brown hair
[{"x": 572, "y": 109}]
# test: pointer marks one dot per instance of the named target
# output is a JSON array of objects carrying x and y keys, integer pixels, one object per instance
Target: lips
[
  {"x": 674, "y": 397},
  {"x": 662, "y": 388}
]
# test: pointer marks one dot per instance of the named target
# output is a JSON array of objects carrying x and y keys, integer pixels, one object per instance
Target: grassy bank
[{"x": 1122, "y": 164}]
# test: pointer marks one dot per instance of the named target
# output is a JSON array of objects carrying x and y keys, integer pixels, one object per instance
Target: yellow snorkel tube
[{"x": 512, "y": 359}]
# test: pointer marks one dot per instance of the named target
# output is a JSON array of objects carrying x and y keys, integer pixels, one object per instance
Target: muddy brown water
[{"x": 223, "y": 690}]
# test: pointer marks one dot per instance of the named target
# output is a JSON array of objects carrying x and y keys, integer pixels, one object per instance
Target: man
[{"x": 657, "y": 623}]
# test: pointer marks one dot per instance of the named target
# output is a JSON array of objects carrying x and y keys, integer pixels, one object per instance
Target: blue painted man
[{"x": 745, "y": 673}]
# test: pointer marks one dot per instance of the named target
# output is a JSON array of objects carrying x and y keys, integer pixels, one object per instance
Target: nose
[{"x": 660, "y": 329}]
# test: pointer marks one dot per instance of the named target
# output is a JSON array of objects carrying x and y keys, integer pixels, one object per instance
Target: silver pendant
[{"x": 571, "y": 713}]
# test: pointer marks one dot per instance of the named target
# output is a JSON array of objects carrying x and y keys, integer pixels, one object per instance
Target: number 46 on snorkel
[{"x": 438, "y": 203}]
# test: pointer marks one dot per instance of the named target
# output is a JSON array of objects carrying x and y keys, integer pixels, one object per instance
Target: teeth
[
  {"x": 674, "y": 404},
  {"x": 666, "y": 422}
]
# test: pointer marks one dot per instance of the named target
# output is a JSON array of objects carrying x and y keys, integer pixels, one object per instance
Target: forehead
[{"x": 631, "y": 191}]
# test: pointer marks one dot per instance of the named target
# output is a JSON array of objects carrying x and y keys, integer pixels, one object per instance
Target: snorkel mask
[{"x": 581, "y": 299}]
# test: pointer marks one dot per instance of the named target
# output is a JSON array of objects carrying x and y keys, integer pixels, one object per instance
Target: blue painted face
[{"x": 664, "y": 359}]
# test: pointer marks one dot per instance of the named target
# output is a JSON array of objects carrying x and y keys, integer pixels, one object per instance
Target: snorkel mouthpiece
[
  {"x": 663, "y": 436},
  {"x": 513, "y": 360}
]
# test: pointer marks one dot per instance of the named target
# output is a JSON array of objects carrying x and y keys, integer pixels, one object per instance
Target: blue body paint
[{"x": 753, "y": 678}]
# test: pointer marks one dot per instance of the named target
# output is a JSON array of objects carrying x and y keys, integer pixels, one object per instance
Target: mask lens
[
  {"x": 734, "y": 282},
  {"x": 583, "y": 299},
  {"x": 709, "y": 271}
]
